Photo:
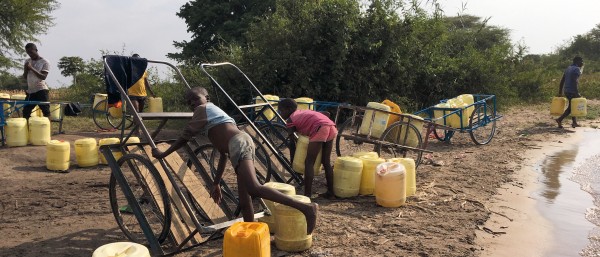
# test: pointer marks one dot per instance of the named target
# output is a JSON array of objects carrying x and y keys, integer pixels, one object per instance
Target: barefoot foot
[
  {"x": 574, "y": 125},
  {"x": 559, "y": 123},
  {"x": 328, "y": 195},
  {"x": 311, "y": 217}
]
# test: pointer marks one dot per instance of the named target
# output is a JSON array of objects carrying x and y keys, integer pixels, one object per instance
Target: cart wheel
[
  {"x": 102, "y": 117},
  {"x": 443, "y": 135},
  {"x": 277, "y": 135},
  {"x": 402, "y": 134},
  {"x": 211, "y": 156},
  {"x": 150, "y": 193},
  {"x": 229, "y": 181},
  {"x": 346, "y": 147},
  {"x": 480, "y": 129}
]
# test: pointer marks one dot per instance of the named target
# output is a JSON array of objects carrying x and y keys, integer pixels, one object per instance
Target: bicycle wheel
[
  {"x": 116, "y": 122},
  {"x": 401, "y": 134},
  {"x": 482, "y": 125},
  {"x": 346, "y": 146},
  {"x": 150, "y": 193},
  {"x": 102, "y": 117}
]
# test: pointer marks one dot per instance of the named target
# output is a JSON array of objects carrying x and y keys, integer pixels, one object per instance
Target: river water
[{"x": 569, "y": 196}]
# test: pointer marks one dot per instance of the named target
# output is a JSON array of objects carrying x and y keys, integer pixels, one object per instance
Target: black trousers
[{"x": 41, "y": 96}]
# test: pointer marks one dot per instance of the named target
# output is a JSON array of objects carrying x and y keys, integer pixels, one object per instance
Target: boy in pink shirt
[{"x": 321, "y": 131}]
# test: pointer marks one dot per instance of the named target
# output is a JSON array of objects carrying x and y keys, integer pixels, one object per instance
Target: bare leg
[
  {"x": 565, "y": 114},
  {"x": 309, "y": 163},
  {"x": 326, "y": 161},
  {"x": 249, "y": 186},
  {"x": 245, "y": 200},
  {"x": 141, "y": 105},
  {"x": 574, "y": 123},
  {"x": 136, "y": 105}
]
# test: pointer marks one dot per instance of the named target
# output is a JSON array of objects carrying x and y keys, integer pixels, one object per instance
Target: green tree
[
  {"x": 71, "y": 66},
  {"x": 9, "y": 81},
  {"x": 20, "y": 22},
  {"x": 214, "y": 22}
]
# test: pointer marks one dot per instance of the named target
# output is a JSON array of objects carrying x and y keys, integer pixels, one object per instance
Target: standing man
[
  {"x": 570, "y": 84},
  {"x": 137, "y": 92},
  {"x": 35, "y": 72}
]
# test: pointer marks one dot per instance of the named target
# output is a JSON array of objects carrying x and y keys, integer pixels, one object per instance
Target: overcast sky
[{"x": 149, "y": 27}]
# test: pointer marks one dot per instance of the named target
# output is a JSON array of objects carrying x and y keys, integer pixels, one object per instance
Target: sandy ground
[{"x": 465, "y": 191}]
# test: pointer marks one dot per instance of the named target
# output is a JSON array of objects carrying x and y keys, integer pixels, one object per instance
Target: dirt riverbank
[{"x": 44, "y": 213}]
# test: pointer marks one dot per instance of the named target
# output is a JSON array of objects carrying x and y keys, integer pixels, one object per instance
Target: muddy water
[{"x": 570, "y": 195}]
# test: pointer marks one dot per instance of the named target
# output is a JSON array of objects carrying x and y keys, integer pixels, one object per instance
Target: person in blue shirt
[{"x": 569, "y": 84}]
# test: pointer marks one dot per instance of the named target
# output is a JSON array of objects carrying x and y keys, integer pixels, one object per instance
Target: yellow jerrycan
[
  {"x": 37, "y": 112},
  {"x": 300, "y": 156},
  {"x": 39, "y": 130},
  {"x": 86, "y": 152},
  {"x": 370, "y": 154},
  {"x": 250, "y": 239},
  {"x": 16, "y": 132},
  {"x": 367, "y": 181},
  {"x": 121, "y": 249},
  {"x": 58, "y": 154},
  {"x": 55, "y": 112},
  {"x": 273, "y": 99},
  {"x": 439, "y": 114},
  {"x": 5, "y": 96},
  {"x": 558, "y": 106},
  {"x": 578, "y": 107},
  {"x": 412, "y": 138},
  {"x": 411, "y": 174},
  {"x": 155, "y": 104},
  {"x": 466, "y": 98},
  {"x": 390, "y": 184},
  {"x": 98, "y": 98},
  {"x": 305, "y": 103},
  {"x": 291, "y": 227},
  {"x": 109, "y": 141},
  {"x": 393, "y": 108},
  {"x": 454, "y": 120},
  {"x": 377, "y": 124},
  {"x": 285, "y": 189},
  {"x": 17, "y": 106},
  {"x": 347, "y": 174}
]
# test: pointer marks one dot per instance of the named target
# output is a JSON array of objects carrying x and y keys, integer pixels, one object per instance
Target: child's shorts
[
  {"x": 324, "y": 133},
  {"x": 241, "y": 147}
]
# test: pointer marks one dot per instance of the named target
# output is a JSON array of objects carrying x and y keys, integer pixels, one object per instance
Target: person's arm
[
  {"x": 158, "y": 154},
  {"x": 40, "y": 74},
  {"x": 25, "y": 69},
  {"x": 216, "y": 188},
  {"x": 560, "y": 86},
  {"x": 220, "y": 168},
  {"x": 194, "y": 126},
  {"x": 147, "y": 85}
]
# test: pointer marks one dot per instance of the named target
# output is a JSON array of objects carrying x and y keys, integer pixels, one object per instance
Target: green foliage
[
  {"x": 10, "y": 82},
  {"x": 20, "y": 22},
  {"x": 71, "y": 66},
  {"x": 214, "y": 23}
]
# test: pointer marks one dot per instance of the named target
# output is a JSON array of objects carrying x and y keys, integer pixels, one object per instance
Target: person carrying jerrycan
[
  {"x": 321, "y": 131},
  {"x": 570, "y": 84},
  {"x": 230, "y": 141}
]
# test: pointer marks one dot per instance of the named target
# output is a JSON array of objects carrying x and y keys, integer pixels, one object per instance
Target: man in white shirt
[{"x": 35, "y": 72}]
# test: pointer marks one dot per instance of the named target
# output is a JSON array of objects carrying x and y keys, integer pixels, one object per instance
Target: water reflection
[{"x": 552, "y": 167}]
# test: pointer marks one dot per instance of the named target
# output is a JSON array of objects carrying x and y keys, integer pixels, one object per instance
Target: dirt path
[{"x": 67, "y": 214}]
